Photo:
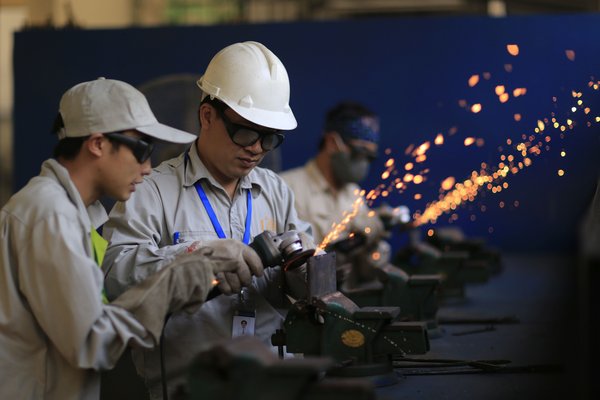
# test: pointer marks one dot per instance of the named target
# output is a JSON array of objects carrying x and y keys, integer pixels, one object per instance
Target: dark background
[{"x": 412, "y": 71}]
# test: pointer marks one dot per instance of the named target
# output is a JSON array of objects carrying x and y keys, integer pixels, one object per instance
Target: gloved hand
[
  {"x": 247, "y": 263},
  {"x": 185, "y": 282}
]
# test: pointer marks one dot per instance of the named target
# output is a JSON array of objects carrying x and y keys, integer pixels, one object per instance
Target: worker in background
[
  {"x": 326, "y": 187},
  {"x": 215, "y": 195},
  {"x": 56, "y": 328}
]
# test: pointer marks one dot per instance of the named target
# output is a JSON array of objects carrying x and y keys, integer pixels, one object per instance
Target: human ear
[
  {"x": 95, "y": 144},
  {"x": 206, "y": 114}
]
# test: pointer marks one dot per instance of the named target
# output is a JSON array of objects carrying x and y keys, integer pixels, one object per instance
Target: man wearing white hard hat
[
  {"x": 57, "y": 330},
  {"x": 215, "y": 195}
]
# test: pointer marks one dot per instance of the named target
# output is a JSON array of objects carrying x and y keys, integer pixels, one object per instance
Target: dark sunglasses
[
  {"x": 246, "y": 136},
  {"x": 141, "y": 148}
]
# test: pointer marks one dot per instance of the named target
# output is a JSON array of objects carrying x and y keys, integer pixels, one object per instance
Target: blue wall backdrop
[{"x": 413, "y": 71}]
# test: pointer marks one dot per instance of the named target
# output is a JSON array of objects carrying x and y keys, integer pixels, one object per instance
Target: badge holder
[{"x": 244, "y": 318}]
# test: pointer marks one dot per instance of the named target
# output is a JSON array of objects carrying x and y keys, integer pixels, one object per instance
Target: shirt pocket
[{"x": 189, "y": 236}]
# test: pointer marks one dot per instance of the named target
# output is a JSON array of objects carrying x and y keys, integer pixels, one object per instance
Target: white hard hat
[{"x": 253, "y": 82}]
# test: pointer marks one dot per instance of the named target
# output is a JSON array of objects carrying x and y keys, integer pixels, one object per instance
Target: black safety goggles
[
  {"x": 141, "y": 148},
  {"x": 360, "y": 152},
  {"x": 245, "y": 136}
]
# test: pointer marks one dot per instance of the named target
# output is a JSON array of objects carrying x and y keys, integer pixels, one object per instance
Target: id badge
[
  {"x": 244, "y": 318},
  {"x": 243, "y": 325}
]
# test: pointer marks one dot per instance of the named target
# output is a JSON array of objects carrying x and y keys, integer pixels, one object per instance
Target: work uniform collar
[
  {"x": 195, "y": 170},
  {"x": 94, "y": 215},
  {"x": 316, "y": 176},
  {"x": 321, "y": 183}
]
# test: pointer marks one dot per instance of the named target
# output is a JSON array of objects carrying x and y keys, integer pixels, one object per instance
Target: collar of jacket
[
  {"x": 95, "y": 214},
  {"x": 195, "y": 170}
]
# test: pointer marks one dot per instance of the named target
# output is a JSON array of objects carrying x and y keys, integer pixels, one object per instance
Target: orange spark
[
  {"x": 519, "y": 92},
  {"x": 475, "y": 108},
  {"x": 570, "y": 54},
  {"x": 448, "y": 183},
  {"x": 500, "y": 89},
  {"x": 439, "y": 139},
  {"x": 541, "y": 125},
  {"x": 503, "y": 97},
  {"x": 408, "y": 166},
  {"x": 422, "y": 149},
  {"x": 469, "y": 141},
  {"x": 473, "y": 80},
  {"x": 512, "y": 49}
]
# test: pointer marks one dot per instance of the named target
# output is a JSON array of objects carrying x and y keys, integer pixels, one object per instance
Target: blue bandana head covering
[{"x": 353, "y": 121}]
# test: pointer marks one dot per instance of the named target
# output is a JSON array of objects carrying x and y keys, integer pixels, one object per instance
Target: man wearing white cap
[
  {"x": 56, "y": 328},
  {"x": 215, "y": 195}
]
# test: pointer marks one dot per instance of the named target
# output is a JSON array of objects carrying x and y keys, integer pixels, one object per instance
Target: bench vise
[
  {"x": 362, "y": 340},
  {"x": 456, "y": 268},
  {"x": 453, "y": 239}
]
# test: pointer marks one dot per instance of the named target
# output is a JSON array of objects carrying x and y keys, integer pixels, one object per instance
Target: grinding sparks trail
[
  {"x": 455, "y": 194},
  {"x": 395, "y": 179},
  {"x": 339, "y": 228},
  {"x": 398, "y": 176}
]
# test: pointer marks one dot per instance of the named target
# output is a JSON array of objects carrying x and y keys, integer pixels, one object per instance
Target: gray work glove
[
  {"x": 246, "y": 260},
  {"x": 184, "y": 283}
]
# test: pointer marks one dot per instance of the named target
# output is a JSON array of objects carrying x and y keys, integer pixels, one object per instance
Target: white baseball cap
[{"x": 106, "y": 105}]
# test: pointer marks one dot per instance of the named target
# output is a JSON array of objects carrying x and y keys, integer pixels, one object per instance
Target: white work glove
[
  {"x": 246, "y": 260},
  {"x": 184, "y": 283}
]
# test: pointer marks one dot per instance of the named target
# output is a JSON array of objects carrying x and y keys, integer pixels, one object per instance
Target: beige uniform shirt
[
  {"x": 55, "y": 332},
  {"x": 316, "y": 202},
  {"x": 141, "y": 234}
]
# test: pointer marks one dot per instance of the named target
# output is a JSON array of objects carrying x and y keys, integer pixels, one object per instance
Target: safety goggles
[
  {"x": 141, "y": 149},
  {"x": 357, "y": 152},
  {"x": 245, "y": 136},
  {"x": 360, "y": 152}
]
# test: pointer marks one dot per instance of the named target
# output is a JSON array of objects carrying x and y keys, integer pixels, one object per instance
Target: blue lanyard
[{"x": 213, "y": 216}]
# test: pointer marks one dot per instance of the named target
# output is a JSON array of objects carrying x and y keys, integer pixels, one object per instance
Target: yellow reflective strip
[{"x": 99, "y": 244}]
